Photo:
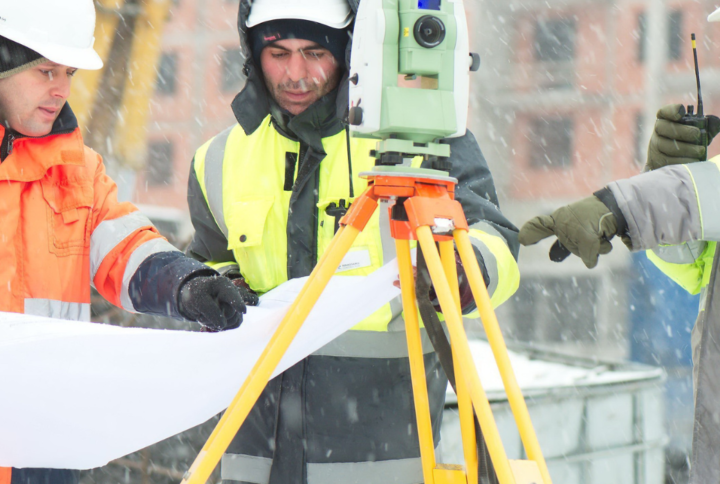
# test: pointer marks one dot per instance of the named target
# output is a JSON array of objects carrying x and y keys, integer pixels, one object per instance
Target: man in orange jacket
[{"x": 62, "y": 227}]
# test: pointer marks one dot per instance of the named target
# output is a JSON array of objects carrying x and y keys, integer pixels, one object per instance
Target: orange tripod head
[{"x": 419, "y": 198}]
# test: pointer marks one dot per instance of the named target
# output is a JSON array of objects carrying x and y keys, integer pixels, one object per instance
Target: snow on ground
[{"x": 542, "y": 376}]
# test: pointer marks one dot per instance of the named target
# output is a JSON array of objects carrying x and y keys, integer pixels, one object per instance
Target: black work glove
[
  {"x": 673, "y": 143},
  {"x": 212, "y": 301},
  {"x": 584, "y": 227}
]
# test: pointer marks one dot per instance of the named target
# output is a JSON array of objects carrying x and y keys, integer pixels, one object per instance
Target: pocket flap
[
  {"x": 247, "y": 223},
  {"x": 64, "y": 197}
]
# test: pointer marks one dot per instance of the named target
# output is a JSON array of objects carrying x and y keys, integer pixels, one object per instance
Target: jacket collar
[{"x": 31, "y": 157}]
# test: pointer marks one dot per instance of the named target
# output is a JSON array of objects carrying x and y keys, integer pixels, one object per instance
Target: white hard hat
[
  {"x": 715, "y": 16},
  {"x": 60, "y": 30},
  {"x": 333, "y": 13}
]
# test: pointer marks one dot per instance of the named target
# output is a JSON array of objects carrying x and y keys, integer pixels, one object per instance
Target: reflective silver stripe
[
  {"x": 109, "y": 234},
  {"x": 139, "y": 255},
  {"x": 487, "y": 255},
  {"x": 707, "y": 180},
  {"x": 245, "y": 468},
  {"x": 703, "y": 297},
  {"x": 214, "y": 161},
  {"x": 58, "y": 309},
  {"x": 389, "y": 253},
  {"x": 372, "y": 344},
  {"x": 686, "y": 253},
  {"x": 401, "y": 471}
]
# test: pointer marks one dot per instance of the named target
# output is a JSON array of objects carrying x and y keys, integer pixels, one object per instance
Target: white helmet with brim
[
  {"x": 62, "y": 31},
  {"x": 333, "y": 13}
]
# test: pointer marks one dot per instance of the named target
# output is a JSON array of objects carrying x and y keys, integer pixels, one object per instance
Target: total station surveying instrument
[{"x": 426, "y": 42}]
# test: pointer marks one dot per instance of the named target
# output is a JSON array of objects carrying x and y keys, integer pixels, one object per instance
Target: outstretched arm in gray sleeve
[{"x": 671, "y": 206}]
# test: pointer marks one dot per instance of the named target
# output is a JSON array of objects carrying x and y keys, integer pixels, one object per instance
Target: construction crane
[{"x": 112, "y": 104}]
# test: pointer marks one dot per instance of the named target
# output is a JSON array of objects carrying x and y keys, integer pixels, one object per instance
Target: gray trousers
[{"x": 705, "y": 463}]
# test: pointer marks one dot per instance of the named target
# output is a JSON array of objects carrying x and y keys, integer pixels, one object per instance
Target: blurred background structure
[{"x": 564, "y": 103}]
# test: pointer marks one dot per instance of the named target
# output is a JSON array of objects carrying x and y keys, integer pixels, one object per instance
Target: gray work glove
[
  {"x": 584, "y": 228},
  {"x": 214, "y": 302},
  {"x": 673, "y": 143}
]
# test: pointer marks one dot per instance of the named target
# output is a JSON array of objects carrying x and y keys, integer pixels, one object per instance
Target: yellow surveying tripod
[{"x": 423, "y": 209}]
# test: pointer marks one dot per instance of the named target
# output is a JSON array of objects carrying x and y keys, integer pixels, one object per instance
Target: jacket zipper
[
  {"x": 301, "y": 160},
  {"x": 301, "y": 155},
  {"x": 11, "y": 140},
  {"x": 7, "y": 145},
  {"x": 316, "y": 213}
]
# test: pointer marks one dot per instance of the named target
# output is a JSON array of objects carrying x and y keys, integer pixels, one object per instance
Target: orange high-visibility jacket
[{"x": 62, "y": 228}]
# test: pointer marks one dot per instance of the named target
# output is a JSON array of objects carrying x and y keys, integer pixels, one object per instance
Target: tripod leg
[
  {"x": 300, "y": 295},
  {"x": 417, "y": 364},
  {"x": 464, "y": 356},
  {"x": 447, "y": 256},
  {"x": 243, "y": 402},
  {"x": 497, "y": 343},
  {"x": 467, "y": 419}
]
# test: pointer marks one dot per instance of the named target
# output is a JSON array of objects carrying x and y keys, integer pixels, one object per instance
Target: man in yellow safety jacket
[{"x": 265, "y": 198}]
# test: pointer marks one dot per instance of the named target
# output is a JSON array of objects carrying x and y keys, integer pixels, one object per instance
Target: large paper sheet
[{"x": 78, "y": 395}]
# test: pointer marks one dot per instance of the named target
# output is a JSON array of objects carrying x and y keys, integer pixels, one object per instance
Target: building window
[
  {"x": 551, "y": 142},
  {"x": 167, "y": 73},
  {"x": 675, "y": 35},
  {"x": 160, "y": 163},
  {"x": 555, "y": 40},
  {"x": 232, "y": 65},
  {"x": 641, "y": 35}
]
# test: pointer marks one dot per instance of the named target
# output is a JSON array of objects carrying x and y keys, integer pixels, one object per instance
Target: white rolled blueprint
[{"x": 78, "y": 395}]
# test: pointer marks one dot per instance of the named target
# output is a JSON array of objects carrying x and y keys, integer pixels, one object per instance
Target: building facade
[{"x": 199, "y": 74}]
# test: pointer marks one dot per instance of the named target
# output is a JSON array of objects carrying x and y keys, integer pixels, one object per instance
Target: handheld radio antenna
[{"x": 697, "y": 77}]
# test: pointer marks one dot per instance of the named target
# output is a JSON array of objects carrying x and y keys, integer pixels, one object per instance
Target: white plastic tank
[{"x": 597, "y": 422}]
